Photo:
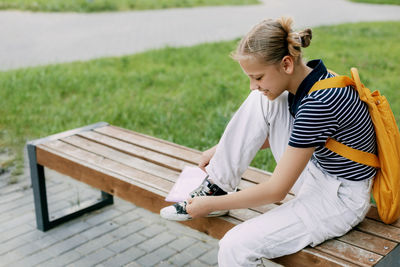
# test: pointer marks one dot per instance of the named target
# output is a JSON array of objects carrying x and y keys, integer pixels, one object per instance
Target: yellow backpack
[{"x": 386, "y": 188}]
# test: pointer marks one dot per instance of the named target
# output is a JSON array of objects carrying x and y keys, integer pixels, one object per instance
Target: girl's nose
[{"x": 254, "y": 85}]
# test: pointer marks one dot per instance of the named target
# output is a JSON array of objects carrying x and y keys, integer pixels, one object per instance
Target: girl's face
[{"x": 271, "y": 80}]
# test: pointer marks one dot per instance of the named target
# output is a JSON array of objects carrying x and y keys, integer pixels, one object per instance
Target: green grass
[
  {"x": 381, "y": 2},
  {"x": 184, "y": 95},
  {"x": 112, "y": 5}
]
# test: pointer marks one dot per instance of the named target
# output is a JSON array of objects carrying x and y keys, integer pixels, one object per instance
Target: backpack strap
[{"x": 355, "y": 155}]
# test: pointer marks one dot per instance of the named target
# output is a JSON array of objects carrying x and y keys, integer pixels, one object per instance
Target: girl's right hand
[{"x": 206, "y": 157}]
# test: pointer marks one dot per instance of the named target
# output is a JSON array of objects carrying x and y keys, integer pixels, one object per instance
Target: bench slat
[
  {"x": 136, "y": 151},
  {"x": 312, "y": 257},
  {"x": 149, "y": 142},
  {"x": 373, "y": 214},
  {"x": 100, "y": 163},
  {"x": 348, "y": 252},
  {"x": 171, "y": 149},
  {"x": 369, "y": 242},
  {"x": 386, "y": 231},
  {"x": 122, "y": 158}
]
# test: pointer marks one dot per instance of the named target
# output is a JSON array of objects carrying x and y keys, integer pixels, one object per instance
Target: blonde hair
[{"x": 271, "y": 40}]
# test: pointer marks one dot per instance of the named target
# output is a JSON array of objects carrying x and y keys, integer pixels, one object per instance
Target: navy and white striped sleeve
[{"x": 314, "y": 122}]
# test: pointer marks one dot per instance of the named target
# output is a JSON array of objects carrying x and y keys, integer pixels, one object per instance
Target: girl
[{"x": 332, "y": 192}]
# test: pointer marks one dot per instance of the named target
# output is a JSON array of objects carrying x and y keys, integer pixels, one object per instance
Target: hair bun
[{"x": 306, "y": 37}]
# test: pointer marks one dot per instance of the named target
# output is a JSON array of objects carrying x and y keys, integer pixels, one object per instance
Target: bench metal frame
[{"x": 39, "y": 185}]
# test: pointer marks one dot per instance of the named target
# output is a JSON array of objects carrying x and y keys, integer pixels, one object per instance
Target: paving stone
[
  {"x": 126, "y": 257},
  {"x": 133, "y": 264},
  {"x": 99, "y": 230},
  {"x": 102, "y": 215},
  {"x": 181, "y": 259},
  {"x": 123, "y": 205},
  {"x": 14, "y": 221},
  {"x": 126, "y": 217},
  {"x": 156, "y": 256},
  {"x": 182, "y": 243},
  {"x": 165, "y": 264},
  {"x": 136, "y": 238},
  {"x": 28, "y": 248},
  {"x": 63, "y": 259},
  {"x": 10, "y": 245},
  {"x": 11, "y": 197},
  {"x": 94, "y": 258},
  {"x": 150, "y": 217},
  {"x": 196, "y": 249},
  {"x": 67, "y": 244},
  {"x": 34, "y": 259},
  {"x": 76, "y": 226},
  {"x": 152, "y": 230},
  {"x": 95, "y": 244},
  {"x": 211, "y": 257},
  {"x": 124, "y": 244},
  {"x": 45, "y": 242},
  {"x": 26, "y": 201},
  {"x": 12, "y": 233},
  {"x": 128, "y": 229},
  {"x": 196, "y": 263},
  {"x": 60, "y": 233},
  {"x": 157, "y": 241},
  {"x": 10, "y": 257}
]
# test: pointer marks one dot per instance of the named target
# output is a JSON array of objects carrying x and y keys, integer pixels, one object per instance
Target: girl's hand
[
  {"x": 198, "y": 206},
  {"x": 206, "y": 157}
]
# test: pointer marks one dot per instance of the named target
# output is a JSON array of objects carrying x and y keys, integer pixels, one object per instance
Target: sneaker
[{"x": 177, "y": 212}]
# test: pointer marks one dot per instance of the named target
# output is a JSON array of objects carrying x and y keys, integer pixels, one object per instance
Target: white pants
[{"x": 325, "y": 206}]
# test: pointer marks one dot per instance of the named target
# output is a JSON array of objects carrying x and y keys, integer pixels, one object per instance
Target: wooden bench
[{"x": 142, "y": 169}]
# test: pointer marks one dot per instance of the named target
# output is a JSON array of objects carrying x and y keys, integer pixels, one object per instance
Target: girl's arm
[{"x": 273, "y": 190}]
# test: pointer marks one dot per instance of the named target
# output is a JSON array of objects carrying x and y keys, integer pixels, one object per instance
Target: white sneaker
[{"x": 177, "y": 211}]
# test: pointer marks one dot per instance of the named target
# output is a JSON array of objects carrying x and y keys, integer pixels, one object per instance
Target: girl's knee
[
  {"x": 237, "y": 249},
  {"x": 229, "y": 250}
]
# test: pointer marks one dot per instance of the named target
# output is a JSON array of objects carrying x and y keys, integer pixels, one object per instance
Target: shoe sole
[{"x": 181, "y": 218}]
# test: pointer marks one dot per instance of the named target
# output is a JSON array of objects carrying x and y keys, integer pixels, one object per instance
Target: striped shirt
[{"x": 337, "y": 113}]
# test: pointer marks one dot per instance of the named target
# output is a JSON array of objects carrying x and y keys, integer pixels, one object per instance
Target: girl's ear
[{"x": 287, "y": 64}]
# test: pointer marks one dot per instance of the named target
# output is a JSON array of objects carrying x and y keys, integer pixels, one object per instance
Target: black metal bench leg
[{"x": 40, "y": 197}]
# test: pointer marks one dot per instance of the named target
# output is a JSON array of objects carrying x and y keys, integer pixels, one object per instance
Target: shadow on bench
[{"x": 142, "y": 169}]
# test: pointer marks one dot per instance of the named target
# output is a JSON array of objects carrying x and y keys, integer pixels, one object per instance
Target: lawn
[
  {"x": 381, "y": 2},
  {"x": 184, "y": 95},
  {"x": 112, "y": 5}
]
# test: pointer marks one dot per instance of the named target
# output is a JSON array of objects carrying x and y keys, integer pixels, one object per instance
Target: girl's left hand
[{"x": 198, "y": 206}]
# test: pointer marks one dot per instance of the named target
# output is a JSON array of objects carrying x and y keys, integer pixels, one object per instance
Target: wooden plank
[
  {"x": 369, "y": 242},
  {"x": 380, "y": 229},
  {"x": 311, "y": 257},
  {"x": 99, "y": 163},
  {"x": 171, "y": 149},
  {"x": 122, "y": 158},
  {"x": 136, "y": 151},
  {"x": 243, "y": 214},
  {"x": 350, "y": 253},
  {"x": 67, "y": 133},
  {"x": 256, "y": 175},
  {"x": 373, "y": 214},
  {"x": 151, "y": 143}
]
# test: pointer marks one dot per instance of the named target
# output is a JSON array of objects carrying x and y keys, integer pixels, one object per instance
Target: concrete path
[{"x": 30, "y": 39}]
